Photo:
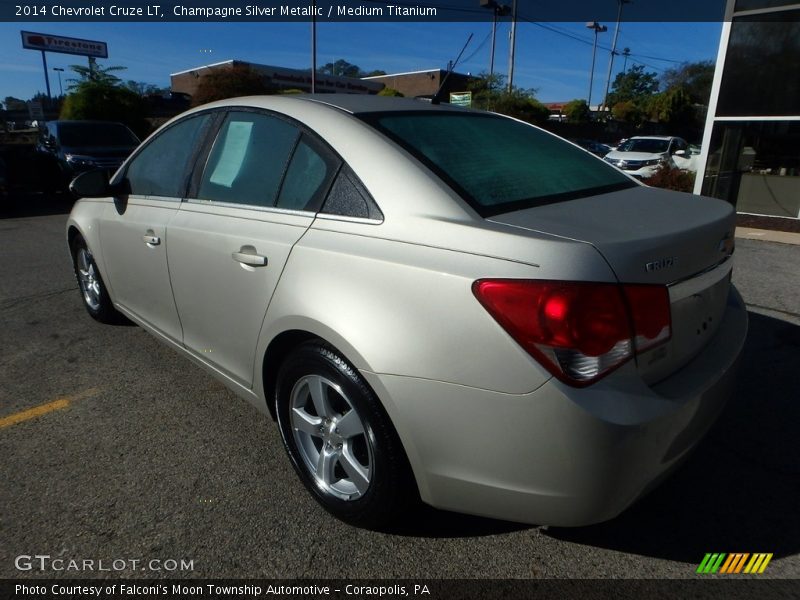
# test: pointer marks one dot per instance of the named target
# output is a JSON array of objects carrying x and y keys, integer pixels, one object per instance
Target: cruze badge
[{"x": 664, "y": 263}]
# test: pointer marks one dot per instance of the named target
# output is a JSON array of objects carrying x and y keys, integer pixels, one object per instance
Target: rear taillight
[{"x": 579, "y": 331}]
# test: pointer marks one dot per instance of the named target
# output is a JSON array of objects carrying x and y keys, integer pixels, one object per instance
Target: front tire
[
  {"x": 93, "y": 291},
  {"x": 340, "y": 440}
]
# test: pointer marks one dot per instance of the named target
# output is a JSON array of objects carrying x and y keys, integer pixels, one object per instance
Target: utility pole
[
  {"x": 597, "y": 29},
  {"x": 498, "y": 10},
  {"x": 512, "y": 46},
  {"x": 613, "y": 51},
  {"x": 59, "y": 70},
  {"x": 626, "y": 52}
]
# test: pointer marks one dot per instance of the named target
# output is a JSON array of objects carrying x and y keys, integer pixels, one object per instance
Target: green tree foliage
[
  {"x": 489, "y": 93},
  {"x": 240, "y": 80},
  {"x": 627, "y": 111},
  {"x": 345, "y": 69},
  {"x": 12, "y": 103},
  {"x": 695, "y": 78},
  {"x": 97, "y": 94},
  {"x": 577, "y": 111},
  {"x": 673, "y": 107},
  {"x": 633, "y": 85},
  {"x": 144, "y": 89},
  {"x": 390, "y": 92}
]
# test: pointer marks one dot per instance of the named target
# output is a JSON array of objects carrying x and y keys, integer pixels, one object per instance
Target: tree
[
  {"x": 490, "y": 93},
  {"x": 144, "y": 89},
  {"x": 390, "y": 92},
  {"x": 97, "y": 94},
  {"x": 635, "y": 85},
  {"x": 12, "y": 103},
  {"x": 345, "y": 69},
  {"x": 577, "y": 111},
  {"x": 94, "y": 74},
  {"x": 239, "y": 80},
  {"x": 695, "y": 78},
  {"x": 673, "y": 107},
  {"x": 342, "y": 68}
]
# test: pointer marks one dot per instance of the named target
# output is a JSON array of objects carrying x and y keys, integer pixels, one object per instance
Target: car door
[
  {"x": 683, "y": 161},
  {"x": 133, "y": 229},
  {"x": 263, "y": 183}
]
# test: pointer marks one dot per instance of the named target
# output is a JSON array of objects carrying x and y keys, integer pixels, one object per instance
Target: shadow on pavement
[
  {"x": 18, "y": 204},
  {"x": 740, "y": 490}
]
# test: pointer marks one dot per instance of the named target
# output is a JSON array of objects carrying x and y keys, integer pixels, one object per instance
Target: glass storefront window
[
  {"x": 761, "y": 76},
  {"x": 755, "y": 165}
]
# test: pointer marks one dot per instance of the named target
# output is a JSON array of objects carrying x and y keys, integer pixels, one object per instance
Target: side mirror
[
  {"x": 680, "y": 153},
  {"x": 95, "y": 184}
]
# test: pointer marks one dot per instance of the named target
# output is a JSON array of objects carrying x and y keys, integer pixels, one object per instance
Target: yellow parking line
[{"x": 43, "y": 409}]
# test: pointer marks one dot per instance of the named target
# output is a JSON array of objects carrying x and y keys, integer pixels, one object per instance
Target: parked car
[
  {"x": 642, "y": 156},
  {"x": 73, "y": 147},
  {"x": 432, "y": 302},
  {"x": 597, "y": 148}
]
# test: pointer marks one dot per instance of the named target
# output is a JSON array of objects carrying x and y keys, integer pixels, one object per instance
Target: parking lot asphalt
[{"x": 132, "y": 452}]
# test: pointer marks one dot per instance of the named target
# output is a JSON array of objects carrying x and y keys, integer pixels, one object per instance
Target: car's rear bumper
[{"x": 559, "y": 455}]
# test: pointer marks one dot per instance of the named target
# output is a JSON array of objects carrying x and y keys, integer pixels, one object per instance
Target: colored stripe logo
[{"x": 729, "y": 564}]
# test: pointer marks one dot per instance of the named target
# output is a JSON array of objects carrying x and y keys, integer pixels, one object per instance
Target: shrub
[{"x": 671, "y": 178}]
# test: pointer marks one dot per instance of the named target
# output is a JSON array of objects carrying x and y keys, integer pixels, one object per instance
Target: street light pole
[
  {"x": 597, "y": 29},
  {"x": 613, "y": 51}
]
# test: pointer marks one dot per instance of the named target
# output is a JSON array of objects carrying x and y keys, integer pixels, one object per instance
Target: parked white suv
[{"x": 642, "y": 156}]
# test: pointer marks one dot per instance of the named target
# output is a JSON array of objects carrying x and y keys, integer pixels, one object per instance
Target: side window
[
  {"x": 307, "y": 178},
  {"x": 348, "y": 198},
  {"x": 248, "y": 160},
  {"x": 159, "y": 169}
]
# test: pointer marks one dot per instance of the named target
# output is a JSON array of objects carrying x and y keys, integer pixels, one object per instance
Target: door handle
[
  {"x": 152, "y": 240},
  {"x": 249, "y": 257}
]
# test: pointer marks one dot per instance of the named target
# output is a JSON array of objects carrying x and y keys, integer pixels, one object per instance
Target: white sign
[{"x": 65, "y": 45}]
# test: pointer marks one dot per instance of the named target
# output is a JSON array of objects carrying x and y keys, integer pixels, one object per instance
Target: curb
[{"x": 767, "y": 235}]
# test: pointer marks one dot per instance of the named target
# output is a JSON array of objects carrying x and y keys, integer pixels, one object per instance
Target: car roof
[{"x": 353, "y": 103}]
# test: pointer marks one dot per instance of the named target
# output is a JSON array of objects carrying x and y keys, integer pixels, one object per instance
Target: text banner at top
[{"x": 355, "y": 10}]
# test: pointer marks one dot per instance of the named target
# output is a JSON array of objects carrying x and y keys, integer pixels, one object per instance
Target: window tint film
[
  {"x": 160, "y": 167},
  {"x": 248, "y": 160},
  {"x": 498, "y": 164},
  {"x": 306, "y": 179}
]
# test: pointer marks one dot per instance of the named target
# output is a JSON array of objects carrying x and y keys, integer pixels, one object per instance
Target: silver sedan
[{"x": 434, "y": 303}]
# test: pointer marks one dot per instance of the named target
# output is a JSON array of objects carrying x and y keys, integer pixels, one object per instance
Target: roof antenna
[{"x": 451, "y": 66}]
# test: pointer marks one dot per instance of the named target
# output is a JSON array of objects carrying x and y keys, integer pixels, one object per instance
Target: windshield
[
  {"x": 84, "y": 135},
  {"x": 498, "y": 164},
  {"x": 649, "y": 145}
]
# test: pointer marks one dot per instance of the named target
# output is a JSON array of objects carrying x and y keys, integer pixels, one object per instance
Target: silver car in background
[{"x": 434, "y": 303}]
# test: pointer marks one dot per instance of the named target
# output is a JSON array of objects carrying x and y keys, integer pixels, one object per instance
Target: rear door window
[{"x": 248, "y": 160}]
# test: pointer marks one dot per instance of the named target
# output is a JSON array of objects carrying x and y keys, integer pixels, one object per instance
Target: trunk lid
[{"x": 654, "y": 236}]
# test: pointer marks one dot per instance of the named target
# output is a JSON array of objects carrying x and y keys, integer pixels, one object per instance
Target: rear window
[
  {"x": 497, "y": 164},
  {"x": 84, "y": 135}
]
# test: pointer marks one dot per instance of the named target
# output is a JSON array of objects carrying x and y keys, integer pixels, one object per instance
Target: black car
[{"x": 72, "y": 147}]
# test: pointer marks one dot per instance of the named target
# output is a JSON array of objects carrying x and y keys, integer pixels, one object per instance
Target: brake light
[{"x": 578, "y": 331}]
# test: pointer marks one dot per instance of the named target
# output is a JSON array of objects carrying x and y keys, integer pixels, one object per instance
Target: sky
[{"x": 553, "y": 58}]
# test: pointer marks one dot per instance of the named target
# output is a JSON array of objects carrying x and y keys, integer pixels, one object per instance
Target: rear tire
[
  {"x": 93, "y": 291},
  {"x": 340, "y": 440}
]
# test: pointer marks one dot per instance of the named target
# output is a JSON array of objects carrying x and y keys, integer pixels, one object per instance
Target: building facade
[{"x": 751, "y": 145}]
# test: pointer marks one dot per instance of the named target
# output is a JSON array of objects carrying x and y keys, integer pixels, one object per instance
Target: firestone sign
[{"x": 65, "y": 45}]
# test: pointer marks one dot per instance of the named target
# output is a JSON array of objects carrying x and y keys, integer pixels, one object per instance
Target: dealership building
[{"x": 751, "y": 146}]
